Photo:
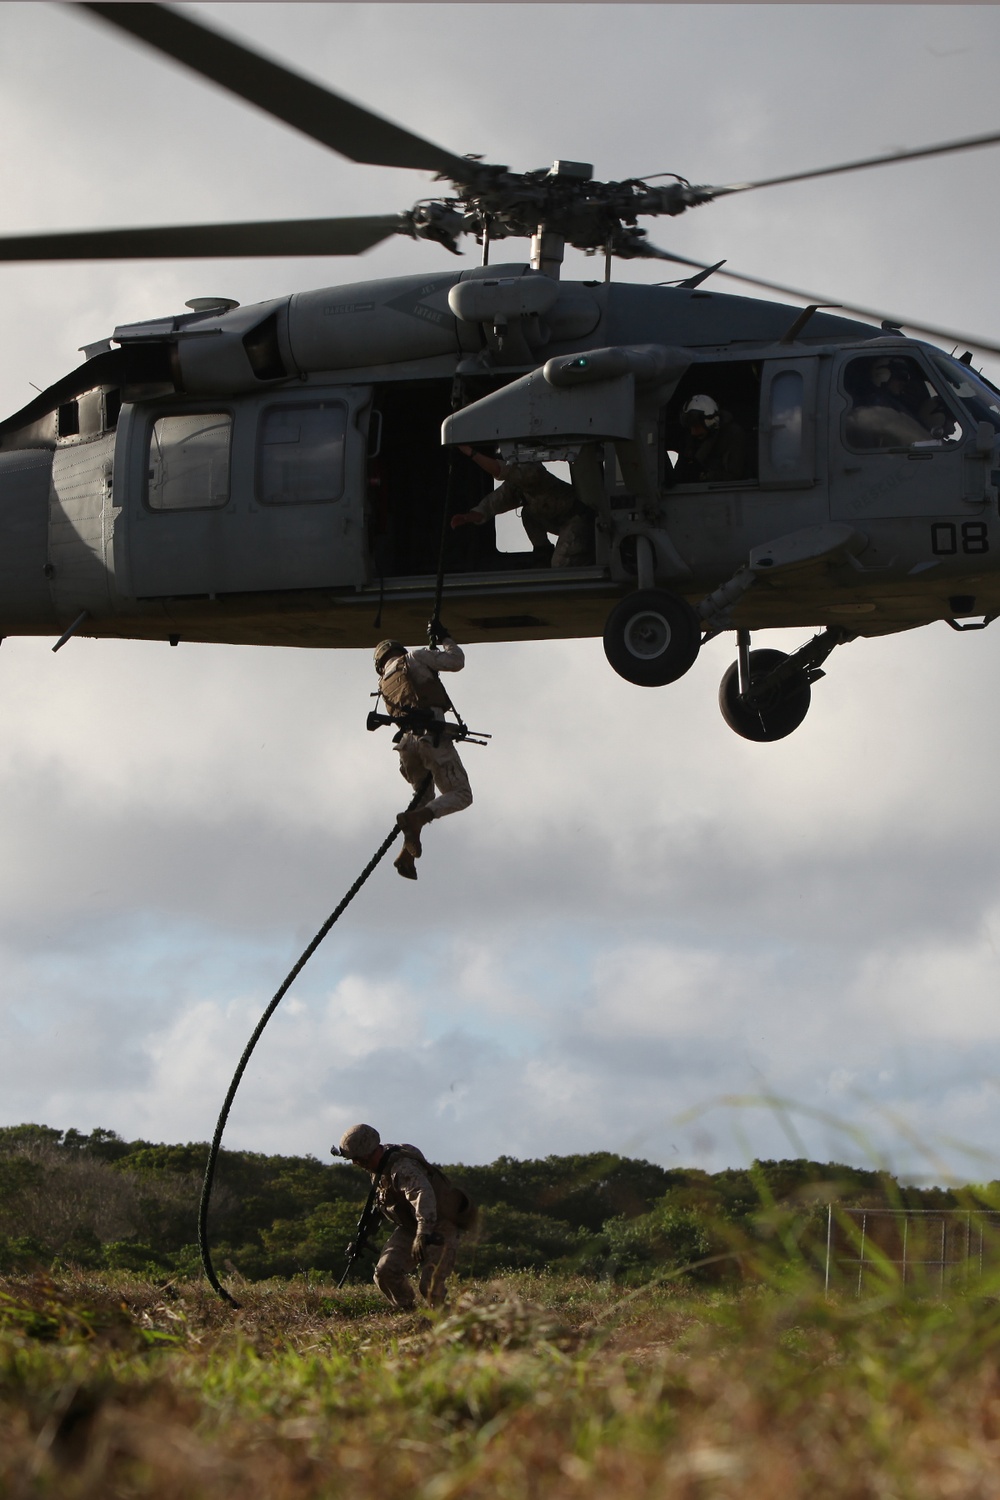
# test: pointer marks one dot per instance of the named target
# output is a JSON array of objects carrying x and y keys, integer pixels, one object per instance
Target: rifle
[
  {"x": 369, "y": 1215},
  {"x": 422, "y": 721}
]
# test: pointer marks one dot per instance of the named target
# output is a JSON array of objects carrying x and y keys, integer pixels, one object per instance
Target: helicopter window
[
  {"x": 895, "y": 405},
  {"x": 787, "y": 399},
  {"x": 301, "y": 454},
  {"x": 979, "y": 398},
  {"x": 189, "y": 461},
  {"x": 69, "y": 419},
  {"x": 721, "y": 448}
]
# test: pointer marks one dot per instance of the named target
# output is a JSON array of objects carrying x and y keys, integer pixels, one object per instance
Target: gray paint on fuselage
[{"x": 25, "y": 598}]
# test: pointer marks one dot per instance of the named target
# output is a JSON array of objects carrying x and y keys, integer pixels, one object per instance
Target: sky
[{"x": 648, "y": 935}]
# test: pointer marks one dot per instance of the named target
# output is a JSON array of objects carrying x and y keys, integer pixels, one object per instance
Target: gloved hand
[
  {"x": 437, "y": 630},
  {"x": 467, "y": 518},
  {"x": 422, "y": 1239}
]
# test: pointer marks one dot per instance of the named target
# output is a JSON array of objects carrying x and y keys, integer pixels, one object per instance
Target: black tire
[
  {"x": 771, "y": 717},
  {"x": 652, "y": 637}
]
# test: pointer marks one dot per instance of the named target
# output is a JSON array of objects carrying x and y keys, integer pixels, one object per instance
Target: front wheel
[
  {"x": 771, "y": 716},
  {"x": 652, "y": 637}
]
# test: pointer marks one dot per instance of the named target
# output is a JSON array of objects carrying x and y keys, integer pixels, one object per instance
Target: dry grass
[{"x": 111, "y": 1386}]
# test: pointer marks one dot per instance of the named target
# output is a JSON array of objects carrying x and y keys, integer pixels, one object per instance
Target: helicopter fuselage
[{"x": 276, "y": 475}]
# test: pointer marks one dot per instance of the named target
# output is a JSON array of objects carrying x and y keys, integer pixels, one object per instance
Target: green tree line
[{"x": 96, "y": 1200}]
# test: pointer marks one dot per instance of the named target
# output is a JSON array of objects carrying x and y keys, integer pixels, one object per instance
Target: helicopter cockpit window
[
  {"x": 189, "y": 461},
  {"x": 980, "y": 399},
  {"x": 300, "y": 458},
  {"x": 895, "y": 405}
]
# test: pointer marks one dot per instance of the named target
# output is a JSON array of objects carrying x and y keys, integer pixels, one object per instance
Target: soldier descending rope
[{"x": 415, "y": 699}]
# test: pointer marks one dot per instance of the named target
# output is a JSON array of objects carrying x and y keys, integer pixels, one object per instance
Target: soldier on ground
[
  {"x": 547, "y": 504},
  {"x": 413, "y": 693},
  {"x": 427, "y": 1212}
]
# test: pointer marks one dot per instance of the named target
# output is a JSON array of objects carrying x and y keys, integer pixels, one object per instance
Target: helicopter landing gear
[
  {"x": 773, "y": 711},
  {"x": 766, "y": 694},
  {"x": 652, "y": 637}
]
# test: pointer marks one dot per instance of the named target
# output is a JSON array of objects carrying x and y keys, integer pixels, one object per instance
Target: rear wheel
[
  {"x": 772, "y": 716},
  {"x": 652, "y": 637}
]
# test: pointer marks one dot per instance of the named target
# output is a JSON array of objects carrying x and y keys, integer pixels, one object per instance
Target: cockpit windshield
[{"x": 976, "y": 394}]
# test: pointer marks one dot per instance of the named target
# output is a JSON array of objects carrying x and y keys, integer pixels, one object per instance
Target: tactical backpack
[{"x": 454, "y": 1204}]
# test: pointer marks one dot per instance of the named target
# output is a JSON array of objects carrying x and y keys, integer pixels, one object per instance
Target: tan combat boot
[
  {"x": 411, "y": 823},
  {"x": 404, "y": 864}
]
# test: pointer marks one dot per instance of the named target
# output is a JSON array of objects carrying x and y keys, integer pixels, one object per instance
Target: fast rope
[
  {"x": 457, "y": 395},
  {"x": 433, "y": 628},
  {"x": 213, "y": 1154},
  {"x": 435, "y": 620}
]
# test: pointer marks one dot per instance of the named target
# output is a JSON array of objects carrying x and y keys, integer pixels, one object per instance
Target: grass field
[{"x": 113, "y": 1386}]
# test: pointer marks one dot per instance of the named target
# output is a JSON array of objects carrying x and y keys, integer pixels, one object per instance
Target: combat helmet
[
  {"x": 384, "y": 650},
  {"x": 359, "y": 1142}
]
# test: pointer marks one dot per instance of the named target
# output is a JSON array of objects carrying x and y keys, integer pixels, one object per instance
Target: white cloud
[
  {"x": 642, "y": 913},
  {"x": 660, "y": 991}
]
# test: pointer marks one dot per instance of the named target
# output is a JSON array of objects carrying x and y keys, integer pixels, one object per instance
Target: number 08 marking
[{"x": 971, "y": 538}]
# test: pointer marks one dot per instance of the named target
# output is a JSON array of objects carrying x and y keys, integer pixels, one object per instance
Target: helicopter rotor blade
[
  {"x": 197, "y": 241},
  {"x": 948, "y": 335},
  {"x": 347, "y": 128},
  {"x": 968, "y": 143}
]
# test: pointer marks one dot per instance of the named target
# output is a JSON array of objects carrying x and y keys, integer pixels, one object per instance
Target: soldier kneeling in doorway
[
  {"x": 547, "y": 505},
  {"x": 414, "y": 695},
  {"x": 428, "y": 1214}
]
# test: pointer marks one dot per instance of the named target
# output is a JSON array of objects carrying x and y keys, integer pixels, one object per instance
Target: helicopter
[{"x": 284, "y": 473}]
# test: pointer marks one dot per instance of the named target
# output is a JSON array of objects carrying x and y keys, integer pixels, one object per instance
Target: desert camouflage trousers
[
  {"x": 396, "y": 1265},
  {"x": 417, "y": 755},
  {"x": 574, "y": 543}
]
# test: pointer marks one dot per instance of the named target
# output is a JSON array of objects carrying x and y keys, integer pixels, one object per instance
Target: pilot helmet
[
  {"x": 884, "y": 370},
  {"x": 384, "y": 650},
  {"x": 701, "y": 411}
]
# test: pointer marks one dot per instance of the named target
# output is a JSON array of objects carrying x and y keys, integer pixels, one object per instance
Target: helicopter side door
[
  {"x": 763, "y": 477},
  {"x": 897, "y": 441},
  {"x": 242, "y": 495}
]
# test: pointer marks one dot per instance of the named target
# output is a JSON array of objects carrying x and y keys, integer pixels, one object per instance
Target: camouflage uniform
[
  {"x": 547, "y": 504},
  {"x": 407, "y": 1199},
  {"x": 418, "y": 753}
]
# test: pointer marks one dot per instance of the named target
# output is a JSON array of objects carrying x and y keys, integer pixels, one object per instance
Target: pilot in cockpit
[{"x": 894, "y": 405}]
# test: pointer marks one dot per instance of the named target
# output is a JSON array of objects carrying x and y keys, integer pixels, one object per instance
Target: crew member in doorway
[
  {"x": 428, "y": 1214},
  {"x": 713, "y": 446},
  {"x": 413, "y": 693},
  {"x": 547, "y": 505}
]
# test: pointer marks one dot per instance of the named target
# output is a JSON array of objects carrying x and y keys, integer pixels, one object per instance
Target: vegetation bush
[
  {"x": 97, "y": 1201},
  {"x": 620, "y": 1329}
]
